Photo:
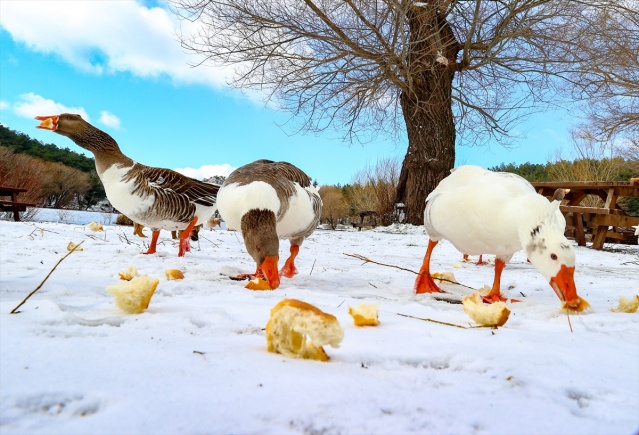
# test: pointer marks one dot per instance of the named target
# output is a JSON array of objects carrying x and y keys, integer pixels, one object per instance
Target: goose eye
[{"x": 553, "y": 256}]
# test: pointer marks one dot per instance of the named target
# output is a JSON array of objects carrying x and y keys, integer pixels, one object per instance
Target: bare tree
[
  {"x": 334, "y": 206},
  {"x": 63, "y": 184},
  {"x": 610, "y": 83},
  {"x": 21, "y": 170},
  {"x": 374, "y": 188},
  {"x": 435, "y": 69}
]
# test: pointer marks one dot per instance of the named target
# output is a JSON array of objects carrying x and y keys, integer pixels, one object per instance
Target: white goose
[
  {"x": 158, "y": 198},
  {"x": 267, "y": 201},
  {"x": 485, "y": 212}
]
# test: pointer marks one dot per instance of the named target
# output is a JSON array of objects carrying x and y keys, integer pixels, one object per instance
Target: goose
[
  {"x": 158, "y": 198},
  {"x": 485, "y": 212},
  {"x": 479, "y": 262},
  {"x": 268, "y": 201}
]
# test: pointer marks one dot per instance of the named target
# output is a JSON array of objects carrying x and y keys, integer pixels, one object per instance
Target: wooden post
[
  {"x": 580, "y": 237},
  {"x": 16, "y": 213}
]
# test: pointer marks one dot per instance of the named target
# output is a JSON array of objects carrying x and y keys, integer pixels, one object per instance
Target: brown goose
[
  {"x": 267, "y": 201},
  {"x": 155, "y": 197}
]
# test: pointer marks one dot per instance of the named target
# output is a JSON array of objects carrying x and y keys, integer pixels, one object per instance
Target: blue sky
[{"x": 118, "y": 64}]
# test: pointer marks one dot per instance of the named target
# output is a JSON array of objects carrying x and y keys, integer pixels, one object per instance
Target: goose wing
[{"x": 162, "y": 182}]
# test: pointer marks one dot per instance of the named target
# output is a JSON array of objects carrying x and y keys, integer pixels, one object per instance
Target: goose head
[
  {"x": 79, "y": 131},
  {"x": 67, "y": 124},
  {"x": 262, "y": 243},
  {"x": 554, "y": 256}
]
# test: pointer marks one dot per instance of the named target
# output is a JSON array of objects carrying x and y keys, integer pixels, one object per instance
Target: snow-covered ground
[{"x": 196, "y": 361}]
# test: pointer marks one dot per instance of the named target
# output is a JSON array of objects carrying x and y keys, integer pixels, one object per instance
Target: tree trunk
[{"x": 427, "y": 110}]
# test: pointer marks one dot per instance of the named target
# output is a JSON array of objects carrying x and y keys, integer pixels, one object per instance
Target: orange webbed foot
[
  {"x": 288, "y": 270},
  {"x": 185, "y": 247},
  {"x": 426, "y": 284},
  {"x": 491, "y": 298}
]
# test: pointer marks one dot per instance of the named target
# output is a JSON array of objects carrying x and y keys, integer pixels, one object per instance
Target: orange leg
[
  {"x": 480, "y": 261},
  {"x": 424, "y": 283},
  {"x": 289, "y": 269},
  {"x": 154, "y": 241},
  {"x": 137, "y": 229},
  {"x": 185, "y": 246},
  {"x": 494, "y": 295}
]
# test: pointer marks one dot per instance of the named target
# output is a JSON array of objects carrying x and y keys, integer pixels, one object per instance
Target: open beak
[
  {"x": 270, "y": 270},
  {"x": 48, "y": 122},
  {"x": 564, "y": 286}
]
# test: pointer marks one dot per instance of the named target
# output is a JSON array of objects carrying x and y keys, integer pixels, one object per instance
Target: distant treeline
[
  {"x": 615, "y": 169},
  {"x": 23, "y": 144},
  {"x": 55, "y": 177}
]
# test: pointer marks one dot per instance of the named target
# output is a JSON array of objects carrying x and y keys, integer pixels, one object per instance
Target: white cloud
[
  {"x": 32, "y": 105},
  {"x": 4, "y": 105},
  {"x": 109, "y": 119},
  {"x": 207, "y": 171},
  {"x": 106, "y": 36}
]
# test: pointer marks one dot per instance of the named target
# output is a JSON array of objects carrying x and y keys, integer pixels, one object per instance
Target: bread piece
[
  {"x": 134, "y": 296},
  {"x": 299, "y": 330},
  {"x": 47, "y": 123},
  {"x": 365, "y": 315},
  {"x": 73, "y": 247},
  {"x": 444, "y": 276},
  {"x": 173, "y": 274},
  {"x": 495, "y": 314},
  {"x": 129, "y": 273},
  {"x": 258, "y": 284},
  {"x": 627, "y": 305},
  {"x": 94, "y": 226}
]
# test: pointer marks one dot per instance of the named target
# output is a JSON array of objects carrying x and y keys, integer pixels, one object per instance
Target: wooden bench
[
  {"x": 13, "y": 204},
  {"x": 600, "y": 222},
  {"x": 371, "y": 220}
]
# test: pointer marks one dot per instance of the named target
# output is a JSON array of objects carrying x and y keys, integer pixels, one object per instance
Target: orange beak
[
  {"x": 564, "y": 286},
  {"x": 270, "y": 270},
  {"x": 48, "y": 122}
]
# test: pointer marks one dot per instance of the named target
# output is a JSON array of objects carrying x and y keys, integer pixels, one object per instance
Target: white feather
[{"x": 120, "y": 193}]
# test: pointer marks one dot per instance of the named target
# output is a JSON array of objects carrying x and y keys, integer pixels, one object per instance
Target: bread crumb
[
  {"x": 258, "y": 284},
  {"x": 134, "y": 296},
  {"x": 627, "y": 305},
  {"x": 495, "y": 314},
  {"x": 129, "y": 273},
  {"x": 73, "y": 247},
  {"x": 444, "y": 276},
  {"x": 172, "y": 274},
  {"x": 365, "y": 314},
  {"x": 297, "y": 329},
  {"x": 94, "y": 226}
]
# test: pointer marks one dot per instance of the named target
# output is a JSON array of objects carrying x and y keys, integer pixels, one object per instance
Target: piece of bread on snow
[
  {"x": 495, "y": 314},
  {"x": 443, "y": 276},
  {"x": 365, "y": 315},
  {"x": 73, "y": 247},
  {"x": 129, "y": 273},
  {"x": 94, "y": 226},
  {"x": 299, "y": 330},
  {"x": 171, "y": 274},
  {"x": 627, "y": 305},
  {"x": 134, "y": 296},
  {"x": 258, "y": 284}
]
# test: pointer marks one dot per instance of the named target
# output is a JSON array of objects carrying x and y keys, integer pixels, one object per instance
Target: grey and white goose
[
  {"x": 158, "y": 198},
  {"x": 269, "y": 201}
]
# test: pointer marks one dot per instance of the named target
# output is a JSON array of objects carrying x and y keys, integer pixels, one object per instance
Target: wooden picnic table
[
  {"x": 13, "y": 204},
  {"x": 604, "y": 221}
]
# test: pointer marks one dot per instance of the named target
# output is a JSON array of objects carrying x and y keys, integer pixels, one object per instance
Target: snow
[{"x": 196, "y": 361}]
